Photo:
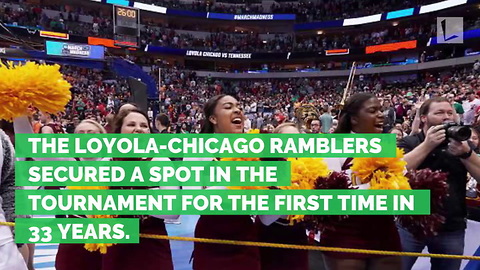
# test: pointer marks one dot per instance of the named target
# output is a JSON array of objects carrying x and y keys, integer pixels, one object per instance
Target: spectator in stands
[
  {"x": 470, "y": 107},
  {"x": 389, "y": 114},
  {"x": 398, "y": 132},
  {"x": 326, "y": 119},
  {"x": 476, "y": 67},
  {"x": 315, "y": 126},
  {"x": 49, "y": 125},
  {"x": 161, "y": 123},
  {"x": 70, "y": 127},
  {"x": 457, "y": 106}
]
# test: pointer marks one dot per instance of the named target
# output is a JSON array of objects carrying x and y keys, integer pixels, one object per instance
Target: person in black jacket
[
  {"x": 161, "y": 123},
  {"x": 389, "y": 114},
  {"x": 432, "y": 149}
]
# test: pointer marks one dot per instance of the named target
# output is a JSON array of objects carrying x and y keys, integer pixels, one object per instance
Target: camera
[{"x": 457, "y": 132}]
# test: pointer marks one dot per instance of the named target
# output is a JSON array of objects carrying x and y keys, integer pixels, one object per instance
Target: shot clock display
[{"x": 126, "y": 25}]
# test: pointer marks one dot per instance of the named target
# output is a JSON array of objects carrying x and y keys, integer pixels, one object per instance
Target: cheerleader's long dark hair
[
  {"x": 351, "y": 108},
  {"x": 208, "y": 111}
]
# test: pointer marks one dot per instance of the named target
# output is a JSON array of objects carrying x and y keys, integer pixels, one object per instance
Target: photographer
[{"x": 440, "y": 147}]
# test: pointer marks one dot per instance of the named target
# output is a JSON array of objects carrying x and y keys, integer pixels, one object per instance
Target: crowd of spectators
[
  {"x": 267, "y": 103},
  {"x": 159, "y": 35},
  {"x": 306, "y": 11}
]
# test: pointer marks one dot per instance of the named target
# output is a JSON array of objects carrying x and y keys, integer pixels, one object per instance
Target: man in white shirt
[
  {"x": 247, "y": 124},
  {"x": 470, "y": 107}
]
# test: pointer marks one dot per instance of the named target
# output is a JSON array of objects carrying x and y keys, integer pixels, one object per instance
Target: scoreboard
[{"x": 126, "y": 26}]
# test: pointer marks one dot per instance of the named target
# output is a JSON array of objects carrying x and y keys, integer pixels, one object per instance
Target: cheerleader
[
  {"x": 149, "y": 254},
  {"x": 223, "y": 114},
  {"x": 75, "y": 256},
  {"x": 362, "y": 114},
  {"x": 273, "y": 230}
]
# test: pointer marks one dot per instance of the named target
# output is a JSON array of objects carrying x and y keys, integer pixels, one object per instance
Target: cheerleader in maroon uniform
[
  {"x": 362, "y": 114},
  {"x": 75, "y": 256},
  {"x": 276, "y": 229},
  {"x": 224, "y": 115},
  {"x": 149, "y": 254}
]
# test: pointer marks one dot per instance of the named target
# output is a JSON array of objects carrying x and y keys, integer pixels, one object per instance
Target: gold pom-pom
[
  {"x": 364, "y": 168},
  {"x": 305, "y": 171},
  {"x": 385, "y": 180},
  {"x": 382, "y": 173},
  {"x": 91, "y": 246},
  {"x": 98, "y": 247},
  {"x": 38, "y": 85}
]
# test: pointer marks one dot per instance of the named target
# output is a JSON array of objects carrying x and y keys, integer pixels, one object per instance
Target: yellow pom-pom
[
  {"x": 364, "y": 168},
  {"x": 385, "y": 180},
  {"x": 38, "y": 85},
  {"x": 295, "y": 219},
  {"x": 97, "y": 247},
  {"x": 305, "y": 171}
]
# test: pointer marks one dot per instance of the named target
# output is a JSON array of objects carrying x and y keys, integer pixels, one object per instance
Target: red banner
[
  {"x": 337, "y": 52},
  {"x": 390, "y": 47},
  {"x": 101, "y": 41}
]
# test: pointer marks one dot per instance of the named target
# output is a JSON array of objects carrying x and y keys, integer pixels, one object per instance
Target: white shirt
[
  {"x": 247, "y": 124},
  {"x": 470, "y": 107}
]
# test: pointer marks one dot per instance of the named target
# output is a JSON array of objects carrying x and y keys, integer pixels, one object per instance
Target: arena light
[
  {"x": 119, "y": 2},
  {"x": 337, "y": 52},
  {"x": 441, "y": 5},
  {"x": 390, "y": 47},
  {"x": 57, "y": 35},
  {"x": 152, "y": 8},
  {"x": 362, "y": 20},
  {"x": 400, "y": 13}
]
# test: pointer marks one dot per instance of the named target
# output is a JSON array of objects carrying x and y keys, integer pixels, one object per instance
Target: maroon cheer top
[
  {"x": 282, "y": 233},
  {"x": 226, "y": 257}
]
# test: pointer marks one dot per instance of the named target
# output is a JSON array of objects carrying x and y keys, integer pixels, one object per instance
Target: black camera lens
[{"x": 459, "y": 133}]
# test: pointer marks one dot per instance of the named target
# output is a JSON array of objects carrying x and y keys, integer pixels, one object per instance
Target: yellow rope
[
  {"x": 317, "y": 248},
  {"x": 11, "y": 224},
  {"x": 304, "y": 247}
]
